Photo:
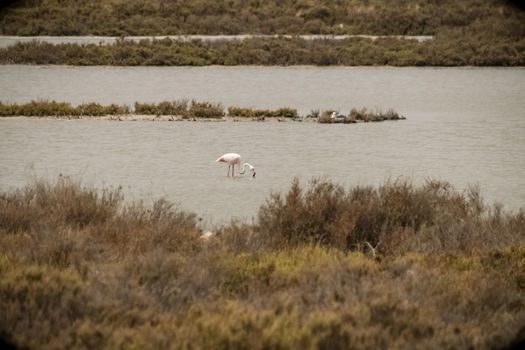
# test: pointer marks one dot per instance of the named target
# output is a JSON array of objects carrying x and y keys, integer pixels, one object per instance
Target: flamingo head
[
  {"x": 253, "y": 172},
  {"x": 220, "y": 159}
]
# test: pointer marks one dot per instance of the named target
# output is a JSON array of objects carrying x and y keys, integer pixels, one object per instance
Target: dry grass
[
  {"x": 81, "y": 268},
  {"x": 44, "y": 108},
  {"x": 179, "y": 108}
]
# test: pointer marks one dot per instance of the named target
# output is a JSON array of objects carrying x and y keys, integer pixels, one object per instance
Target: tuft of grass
[
  {"x": 260, "y": 114},
  {"x": 205, "y": 110},
  {"x": 174, "y": 108},
  {"x": 45, "y": 108}
]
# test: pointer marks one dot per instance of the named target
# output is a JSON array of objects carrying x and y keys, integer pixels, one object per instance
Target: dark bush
[
  {"x": 205, "y": 110},
  {"x": 395, "y": 217}
]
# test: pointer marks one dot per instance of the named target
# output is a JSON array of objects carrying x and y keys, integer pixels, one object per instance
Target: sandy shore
[{"x": 171, "y": 118}]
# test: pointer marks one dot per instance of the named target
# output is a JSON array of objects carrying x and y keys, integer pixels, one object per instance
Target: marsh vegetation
[
  {"x": 473, "y": 32},
  {"x": 184, "y": 110},
  {"x": 157, "y": 17},
  {"x": 477, "y": 49},
  {"x": 322, "y": 266}
]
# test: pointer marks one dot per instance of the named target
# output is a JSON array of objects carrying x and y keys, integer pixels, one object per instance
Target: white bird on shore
[
  {"x": 335, "y": 116},
  {"x": 232, "y": 159}
]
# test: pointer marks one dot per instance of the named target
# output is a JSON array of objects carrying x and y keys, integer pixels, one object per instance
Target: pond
[{"x": 464, "y": 125}]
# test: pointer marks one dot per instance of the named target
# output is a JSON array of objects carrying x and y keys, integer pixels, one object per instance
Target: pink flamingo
[{"x": 232, "y": 159}]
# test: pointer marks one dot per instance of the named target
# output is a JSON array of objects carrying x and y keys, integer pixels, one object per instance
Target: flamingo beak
[
  {"x": 253, "y": 173},
  {"x": 221, "y": 159}
]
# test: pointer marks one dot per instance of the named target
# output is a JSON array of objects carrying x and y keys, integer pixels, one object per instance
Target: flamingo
[{"x": 232, "y": 159}]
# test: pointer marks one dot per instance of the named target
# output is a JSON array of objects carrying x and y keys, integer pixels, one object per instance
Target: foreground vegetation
[
  {"x": 398, "y": 266},
  {"x": 476, "y": 49},
  {"x": 158, "y": 17},
  {"x": 183, "y": 109}
]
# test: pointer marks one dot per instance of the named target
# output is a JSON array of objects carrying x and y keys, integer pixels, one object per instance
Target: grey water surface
[{"x": 464, "y": 125}]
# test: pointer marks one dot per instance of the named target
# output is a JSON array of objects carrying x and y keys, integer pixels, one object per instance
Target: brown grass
[{"x": 398, "y": 266}]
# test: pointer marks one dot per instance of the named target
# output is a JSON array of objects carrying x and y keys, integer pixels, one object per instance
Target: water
[
  {"x": 464, "y": 125},
  {"x": 6, "y": 41}
]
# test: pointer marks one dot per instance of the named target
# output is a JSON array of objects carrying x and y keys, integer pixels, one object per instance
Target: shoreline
[
  {"x": 183, "y": 110},
  {"x": 171, "y": 118},
  {"x": 165, "y": 118}
]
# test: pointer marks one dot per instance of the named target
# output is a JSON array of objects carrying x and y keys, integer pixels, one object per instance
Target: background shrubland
[
  {"x": 160, "y": 17},
  {"x": 479, "y": 49},
  {"x": 397, "y": 265},
  {"x": 470, "y": 32}
]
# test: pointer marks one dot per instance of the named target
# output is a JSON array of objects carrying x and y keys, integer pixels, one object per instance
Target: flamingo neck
[{"x": 244, "y": 168}]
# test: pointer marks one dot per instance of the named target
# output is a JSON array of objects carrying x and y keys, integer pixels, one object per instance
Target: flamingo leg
[
  {"x": 233, "y": 170},
  {"x": 228, "y": 175}
]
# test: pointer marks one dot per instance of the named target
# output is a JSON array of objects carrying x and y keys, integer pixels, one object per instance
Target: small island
[{"x": 184, "y": 110}]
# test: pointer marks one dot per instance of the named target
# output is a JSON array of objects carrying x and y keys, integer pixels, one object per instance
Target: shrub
[
  {"x": 450, "y": 49},
  {"x": 314, "y": 113},
  {"x": 396, "y": 217},
  {"x": 145, "y": 108},
  {"x": 234, "y": 111},
  {"x": 205, "y": 110},
  {"x": 286, "y": 113},
  {"x": 81, "y": 267},
  {"x": 179, "y": 108},
  {"x": 262, "y": 113}
]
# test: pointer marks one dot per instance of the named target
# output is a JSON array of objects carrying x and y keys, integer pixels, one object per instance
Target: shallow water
[{"x": 464, "y": 125}]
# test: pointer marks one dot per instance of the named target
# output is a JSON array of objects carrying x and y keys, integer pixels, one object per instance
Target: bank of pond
[{"x": 181, "y": 110}]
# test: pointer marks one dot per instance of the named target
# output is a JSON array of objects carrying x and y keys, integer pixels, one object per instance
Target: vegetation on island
[
  {"x": 356, "y": 115},
  {"x": 184, "y": 109},
  {"x": 397, "y": 266}
]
